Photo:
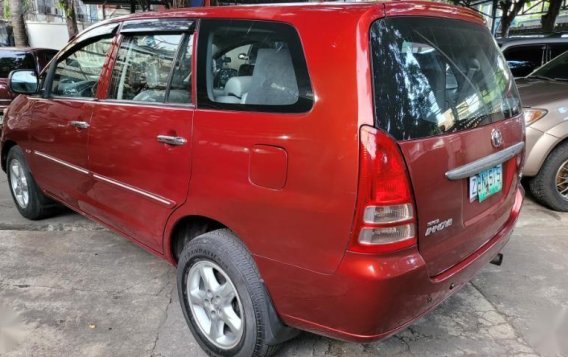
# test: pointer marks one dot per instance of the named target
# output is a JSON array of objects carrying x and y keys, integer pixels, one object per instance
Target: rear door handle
[
  {"x": 79, "y": 124},
  {"x": 171, "y": 140}
]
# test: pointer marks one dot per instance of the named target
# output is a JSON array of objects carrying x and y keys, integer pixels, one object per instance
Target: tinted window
[
  {"x": 522, "y": 60},
  {"x": 252, "y": 65},
  {"x": 77, "y": 73},
  {"x": 11, "y": 60},
  {"x": 436, "y": 76},
  {"x": 556, "y": 49},
  {"x": 556, "y": 69},
  {"x": 143, "y": 67}
]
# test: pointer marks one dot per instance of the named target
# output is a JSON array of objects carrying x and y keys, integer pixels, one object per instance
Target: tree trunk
[
  {"x": 548, "y": 20},
  {"x": 70, "y": 18},
  {"x": 510, "y": 9},
  {"x": 18, "y": 24}
]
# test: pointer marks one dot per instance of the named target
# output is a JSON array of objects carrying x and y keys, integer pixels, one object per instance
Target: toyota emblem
[{"x": 496, "y": 138}]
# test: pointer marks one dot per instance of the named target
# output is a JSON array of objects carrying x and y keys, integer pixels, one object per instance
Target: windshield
[
  {"x": 434, "y": 76},
  {"x": 10, "y": 61},
  {"x": 556, "y": 69}
]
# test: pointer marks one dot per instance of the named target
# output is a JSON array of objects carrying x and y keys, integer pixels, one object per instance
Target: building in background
[{"x": 46, "y": 26}]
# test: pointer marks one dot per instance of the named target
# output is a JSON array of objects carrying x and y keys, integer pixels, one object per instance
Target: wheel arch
[
  {"x": 558, "y": 143},
  {"x": 184, "y": 230},
  {"x": 5, "y": 149}
]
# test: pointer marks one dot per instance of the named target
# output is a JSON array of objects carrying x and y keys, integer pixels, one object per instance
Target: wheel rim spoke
[
  {"x": 209, "y": 278},
  {"x": 231, "y": 319},
  {"x": 216, "y": 329},
  {"x": 562, "y": 180},
  {"x": 226, "y": 293},
  {"x": 197, "y": 297}
]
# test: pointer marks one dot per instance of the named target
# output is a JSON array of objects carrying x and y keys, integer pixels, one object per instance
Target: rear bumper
[{"x": 371, "y": 297}]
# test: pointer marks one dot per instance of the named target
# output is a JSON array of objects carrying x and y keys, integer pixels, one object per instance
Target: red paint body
[
  {"x": 286, "y": 184},
  {"x": 41, "y": 56}
]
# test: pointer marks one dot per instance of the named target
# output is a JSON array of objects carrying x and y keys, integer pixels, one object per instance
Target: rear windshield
[
  {"x": 12, "y": 60},
  {"x": 434, "y": 76}
]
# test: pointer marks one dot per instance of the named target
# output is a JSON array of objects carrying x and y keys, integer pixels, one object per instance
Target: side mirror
[{"x": 23, "y": 81}]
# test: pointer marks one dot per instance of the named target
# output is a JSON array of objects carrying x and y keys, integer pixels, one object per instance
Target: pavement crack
[
  {"x": 505, "y": 317},
  {"x": 162, "y": 323}
]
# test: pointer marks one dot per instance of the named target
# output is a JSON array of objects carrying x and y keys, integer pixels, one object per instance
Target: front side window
[
  {"x": 252, "y": 65},
  {"x": 77, "y": 74},
  {"x": 143, "y": 69},
  {"x": 437, "y": 76}
]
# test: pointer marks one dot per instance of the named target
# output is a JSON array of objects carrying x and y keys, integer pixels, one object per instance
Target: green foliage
[
  {"x": 6, "y": 10},
  {"x": 26, "y": 6},
  {"x": 64, "y": 5}
]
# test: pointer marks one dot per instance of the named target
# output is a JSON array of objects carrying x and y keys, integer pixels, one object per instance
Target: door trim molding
[
  {"x": 125, "y": 186},
  {"x": 141, "y": 192},
  {"x": 61, "y": 162}
]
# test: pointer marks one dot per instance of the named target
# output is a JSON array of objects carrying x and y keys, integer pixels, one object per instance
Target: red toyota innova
[{"x": 336, "y": 168}]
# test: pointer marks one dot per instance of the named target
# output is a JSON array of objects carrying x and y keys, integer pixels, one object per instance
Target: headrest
[
  {"x": 237, "y": 86},
  {"x": 273, "y": 79}
]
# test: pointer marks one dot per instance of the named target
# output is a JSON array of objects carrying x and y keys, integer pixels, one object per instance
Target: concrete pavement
[{"x": 72, "y": 288}]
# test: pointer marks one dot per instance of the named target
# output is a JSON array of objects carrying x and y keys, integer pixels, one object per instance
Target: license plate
[{"x": 486, "y": 183}]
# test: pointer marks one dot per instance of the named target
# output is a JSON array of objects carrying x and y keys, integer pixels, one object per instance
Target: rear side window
[
  {"x": 434, "y": 76},
  {"x": 556, "y": 49},
  {"x": 252, "y": 65},
  {"x": 12, "y": 60},
  {"x": 523, "y": 59},
  {"x": 557, "y": 69}
]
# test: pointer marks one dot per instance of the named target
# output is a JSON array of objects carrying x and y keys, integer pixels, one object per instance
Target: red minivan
[{"x": 336, "y": 168}]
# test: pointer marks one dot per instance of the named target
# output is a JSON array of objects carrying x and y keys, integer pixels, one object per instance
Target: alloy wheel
[
  {"x": 19, "y": 184},
  {"x": 562, "y": 180},
  {"x": 215, "y": 304}
]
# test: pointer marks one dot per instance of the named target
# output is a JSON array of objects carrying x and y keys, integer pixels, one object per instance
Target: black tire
[
  {"x": 39, "y": 206},
  {"x": 543, "y": 185},
  {"x": 225, "y": 250}
]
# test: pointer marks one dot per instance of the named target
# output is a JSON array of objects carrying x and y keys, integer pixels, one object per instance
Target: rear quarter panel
[{"x": 308, "y": 222}]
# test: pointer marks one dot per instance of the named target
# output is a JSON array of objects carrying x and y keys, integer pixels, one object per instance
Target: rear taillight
[{"x": 385, "y": 218}]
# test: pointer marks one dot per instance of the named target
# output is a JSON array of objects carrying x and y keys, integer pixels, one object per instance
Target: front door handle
[
  {"x": 79, "y": 124},
  {"x": 171, "y": 140}
]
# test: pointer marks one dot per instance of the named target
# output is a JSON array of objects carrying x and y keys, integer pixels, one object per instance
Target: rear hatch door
[{"x": 444, "y": 92}]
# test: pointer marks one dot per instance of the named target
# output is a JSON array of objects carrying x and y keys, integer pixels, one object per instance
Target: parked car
[
  {"x": 19, "y": 58},
  {"x": 544, "y": 94},
  {"x": 525, "y": 54},
  {"x": 343, "y": 182}
]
